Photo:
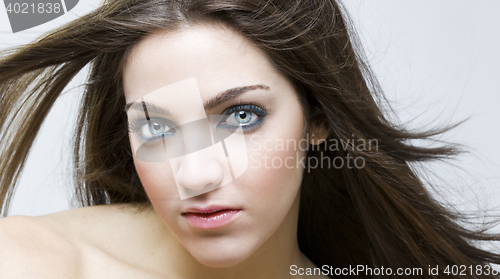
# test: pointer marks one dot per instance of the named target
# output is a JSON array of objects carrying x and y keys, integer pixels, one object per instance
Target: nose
[{"x": 199, "y": 171}]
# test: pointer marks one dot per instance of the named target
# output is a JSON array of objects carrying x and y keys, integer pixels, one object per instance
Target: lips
[{"x": 210, "y": 218}]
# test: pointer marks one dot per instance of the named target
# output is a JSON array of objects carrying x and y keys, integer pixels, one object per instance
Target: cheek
[
  {"x": 157, "y": 179},
  {"x": 276, "y": 170},
  {"x": 277, "y": 156}
]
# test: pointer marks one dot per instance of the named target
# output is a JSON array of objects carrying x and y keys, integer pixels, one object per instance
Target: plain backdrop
[{"x": 437, "y": 62}]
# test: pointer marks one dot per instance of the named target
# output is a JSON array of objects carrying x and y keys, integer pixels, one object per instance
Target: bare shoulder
[
  {"x": 105, "y": 241},
  {"x": 32, "y": 248}
]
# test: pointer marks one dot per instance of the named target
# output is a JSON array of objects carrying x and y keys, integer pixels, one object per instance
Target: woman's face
[{"x": 222, "y": 207}]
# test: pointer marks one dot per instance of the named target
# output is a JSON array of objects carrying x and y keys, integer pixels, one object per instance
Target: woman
[{"x": 283, "y": 73}]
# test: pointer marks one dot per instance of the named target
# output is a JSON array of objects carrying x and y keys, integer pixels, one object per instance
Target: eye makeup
[{"x": 249, "y": 116}]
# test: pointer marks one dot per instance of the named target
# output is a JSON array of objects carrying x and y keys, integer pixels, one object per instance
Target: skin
[{"x": 115, "y": 241}]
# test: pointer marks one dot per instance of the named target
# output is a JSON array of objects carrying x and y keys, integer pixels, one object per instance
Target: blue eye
[
  {"x": 246, "y": 116},
  {"x": 243, "y": 116},
  {"x": 151, "y": 130}
]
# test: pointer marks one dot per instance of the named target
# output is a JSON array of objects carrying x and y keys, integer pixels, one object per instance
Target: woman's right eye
[{"x": 151, "y": 130}]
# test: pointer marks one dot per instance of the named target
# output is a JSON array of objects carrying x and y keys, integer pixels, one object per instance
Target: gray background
[{"x": 436, "y": 60}]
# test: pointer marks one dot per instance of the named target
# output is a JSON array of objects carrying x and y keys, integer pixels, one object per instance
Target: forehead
[{"x": 216, "y": 56}]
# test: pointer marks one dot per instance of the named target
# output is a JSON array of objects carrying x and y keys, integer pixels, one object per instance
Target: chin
[
  {"x": 220, "y": 256},
  {"x": 216, "y": 259}
]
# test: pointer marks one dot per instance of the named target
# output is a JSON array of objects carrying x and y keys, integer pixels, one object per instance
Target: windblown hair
[{"x": 378, "y": 215}]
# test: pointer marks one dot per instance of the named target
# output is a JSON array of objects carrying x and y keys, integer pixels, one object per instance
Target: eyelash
[{"x": 136, "y": 125}]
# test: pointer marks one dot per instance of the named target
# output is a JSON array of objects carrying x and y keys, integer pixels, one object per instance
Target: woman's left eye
[
  {"x": 246, "y": 116},
  {"x": 241, "y": 117}
]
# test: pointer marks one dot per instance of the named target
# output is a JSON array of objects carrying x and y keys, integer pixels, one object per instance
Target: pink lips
[{"x": 209, "y": 218}]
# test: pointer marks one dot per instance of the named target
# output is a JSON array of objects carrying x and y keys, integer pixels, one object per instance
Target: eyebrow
[
  {"x": 219, "y": 99},
  {"x": 229, "y": 94},
  {"x": 141, "y": 105}
]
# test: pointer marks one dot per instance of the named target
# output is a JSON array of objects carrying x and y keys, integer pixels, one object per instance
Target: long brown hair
[{"x": 380, "y": 215}]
